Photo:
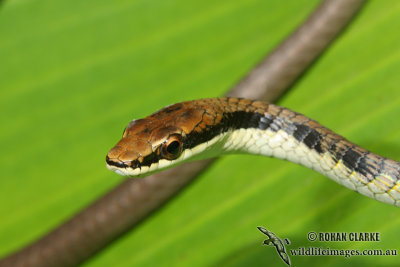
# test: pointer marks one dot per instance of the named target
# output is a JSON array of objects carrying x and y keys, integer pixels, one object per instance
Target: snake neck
[{"x": 281, "y": 133}]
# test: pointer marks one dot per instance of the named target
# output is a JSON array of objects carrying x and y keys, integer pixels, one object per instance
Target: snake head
[{"x": 155, "y": 142}]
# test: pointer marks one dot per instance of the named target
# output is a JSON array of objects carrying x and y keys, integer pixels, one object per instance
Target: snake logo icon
[{"x": 274, "y": 240}]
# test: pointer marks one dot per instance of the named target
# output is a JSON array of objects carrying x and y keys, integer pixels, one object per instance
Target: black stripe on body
[
  {"x": 230, "y": 121},
  {"x": 309, "y": 136},
  {"x": 351, "y": 159},
  {"x": 301, "y": 132},
  {"x": 265, "y": 122},
  {"x": 363, "y": 167},
  {"x": 360, "y": 162}
]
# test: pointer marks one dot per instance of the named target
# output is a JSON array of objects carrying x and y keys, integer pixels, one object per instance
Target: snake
[{"x": 205, "y": 128}]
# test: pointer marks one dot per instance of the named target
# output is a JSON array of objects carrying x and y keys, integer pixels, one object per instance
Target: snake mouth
[{"x": 116, "y": 162}]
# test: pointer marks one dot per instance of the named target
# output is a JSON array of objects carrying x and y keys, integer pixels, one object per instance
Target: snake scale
[{"x": 210, "y": 127}]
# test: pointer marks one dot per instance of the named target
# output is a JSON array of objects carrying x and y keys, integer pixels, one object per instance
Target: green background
[{"x": 74, "y": 73}]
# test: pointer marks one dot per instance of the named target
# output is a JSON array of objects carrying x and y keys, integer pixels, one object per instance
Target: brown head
[{"x": 156, "y": 141}]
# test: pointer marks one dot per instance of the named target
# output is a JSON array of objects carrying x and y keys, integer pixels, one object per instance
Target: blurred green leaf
[{"x": 74, "y": 73}]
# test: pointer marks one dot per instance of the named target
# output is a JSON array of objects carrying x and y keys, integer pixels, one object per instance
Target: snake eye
[{"x": 172, "y": 148}]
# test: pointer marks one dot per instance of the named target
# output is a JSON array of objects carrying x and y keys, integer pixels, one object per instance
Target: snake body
[{"x": 210, "y": 127}]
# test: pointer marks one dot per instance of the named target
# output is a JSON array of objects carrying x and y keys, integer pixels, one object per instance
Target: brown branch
[{"x": 124, "y": 207}]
